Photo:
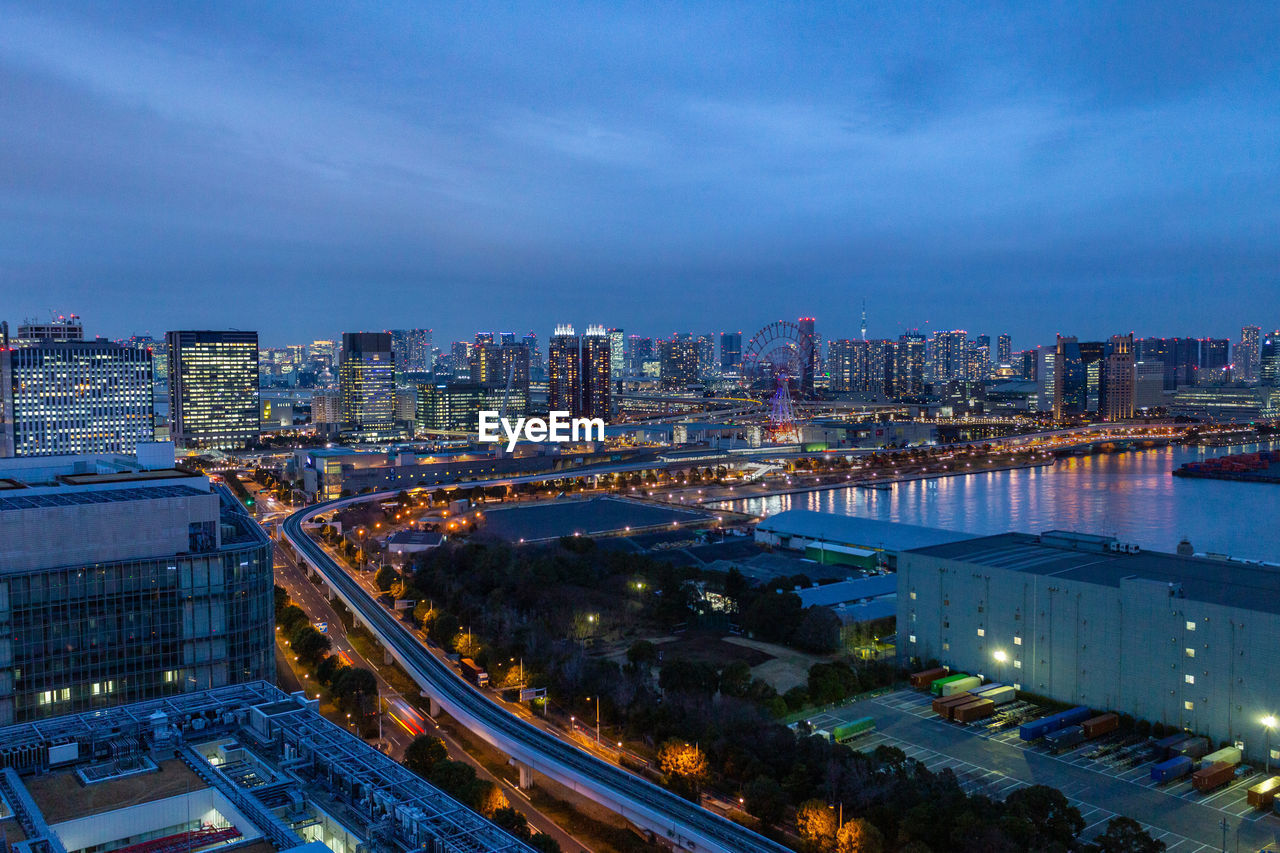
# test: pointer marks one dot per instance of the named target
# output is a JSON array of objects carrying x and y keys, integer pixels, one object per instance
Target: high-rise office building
[
  {"x": 412, "y": 349},
  {"x": 1248, "y": 353},
  {"x": 979, "y": 368},
  {"x": 1004, "y": 349},
  {"x": 126, "y": 579},
  {"x": 366, "y": 376},
  {"x": 678, "y": 359},
  {"x": 1027, "y": 359},
  {"x": 1215, "y": 353},
  {"x": 326, "y": 407},
  {"x": 1269, "y": 360},
  {"x": 64, "y": 395},
  {"x": 908, "y": 365},
  {"x": 564, "y": 370},
  {"x": 617, "y": 354},
  {"x": 706, "y": 347},
  {"x": 846, "y": 363},
  {"x": 809, "y": 347},
  {"x": 640, "y": 350},
  {"x": 1118, "y": 379},
  {"x": 460, "y": 360},
  {"x": 213, "y": 389},
  {"x": 597, "y": 364},
  {"x": 950, "y": 355},
  {"x": 730, "y": 350},
  {"x": 1070, "y": 379},
  {"x": 536, "y": 370},
  {"x": 456, "y": 406}
]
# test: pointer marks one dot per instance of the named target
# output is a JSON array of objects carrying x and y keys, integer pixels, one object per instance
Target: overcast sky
[{"x": 317, "y": 167}]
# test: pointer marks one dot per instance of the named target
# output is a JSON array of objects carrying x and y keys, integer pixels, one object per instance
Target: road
[
  {"x": 407, "y": 721},
  {"x": 643, "y": 803}
]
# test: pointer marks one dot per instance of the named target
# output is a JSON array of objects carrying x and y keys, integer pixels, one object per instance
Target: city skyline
[{"x": 953, "y": 172}]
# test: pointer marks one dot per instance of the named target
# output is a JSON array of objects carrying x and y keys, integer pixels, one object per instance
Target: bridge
[{"x": 671, "y": 818}]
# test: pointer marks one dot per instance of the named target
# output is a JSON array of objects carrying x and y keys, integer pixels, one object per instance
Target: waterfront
[{"x": 1128, "y": 495}]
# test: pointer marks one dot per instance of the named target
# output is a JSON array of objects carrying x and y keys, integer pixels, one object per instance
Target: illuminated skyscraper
[
  {"x": 564, "y": 368},
  {"x": 1269, "y": 360},
  {"x": 950, "y": 356},
  {"x": 61, "y": 396},
  {"x": 617, "y": 342},
  {"x": 213, "y": 389},
  {"x": 908, "y": 365},
  {"x": 1070, "y": 379},
  {"x": 808, "y": 355},
  {"x": 597, "y": 361},
  {"x": 412, "y": 349},
  {"x": 1247, "y": 353},
  {"x": 706, "y": 347},
  {"x": 1118, "y": 379},
  {"x": 366, "y": 376},
  {"x": 1004, "y": 349},
  {"x": 678, "y": 358}
]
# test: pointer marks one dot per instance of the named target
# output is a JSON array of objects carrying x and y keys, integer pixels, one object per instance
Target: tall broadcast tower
[{"x": 864, "y": 319}]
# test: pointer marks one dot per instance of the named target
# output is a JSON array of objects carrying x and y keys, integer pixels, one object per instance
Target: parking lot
[{"x": 1102, "y": 778}]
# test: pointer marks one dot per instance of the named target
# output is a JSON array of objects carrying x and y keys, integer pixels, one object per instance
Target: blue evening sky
[{"x": 308, "y": 168}]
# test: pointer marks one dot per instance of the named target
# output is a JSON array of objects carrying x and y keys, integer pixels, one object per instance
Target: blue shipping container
[
  {"x": 1037, "y": 729},
  {"x": 1174, "y": 768}
]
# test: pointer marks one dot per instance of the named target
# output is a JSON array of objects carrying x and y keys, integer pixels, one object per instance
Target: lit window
[
  {"x": 1191, "y": 626},
  {"x": 913, "y": 595},
  {"x": 1191, "y": 652},
  {"x": 1189, "y": 678},
  {"x": 1188, "y": 705},
  {"x": 1017, "y": 664},
  {"x": 911, "y": 638},
  {"x": 982, "y": 632},
  {"x": 1017, "y": 641},
  {"x": 1017, "y": 686},
  {"x": 946, "y": 647}
]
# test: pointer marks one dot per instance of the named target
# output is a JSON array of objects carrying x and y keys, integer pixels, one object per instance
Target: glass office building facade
[{"x": 213, "y": 389}]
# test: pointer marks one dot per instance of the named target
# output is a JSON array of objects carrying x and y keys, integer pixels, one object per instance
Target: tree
[
  {"x": 308, "y": 643},
  {"x": 353, "y": 682},
  {"x": 735, "y": 679},
  {"x": 818, "y": 630},
  {"x": 642, "y": 654},
  {"x": 686, "y": 676},
  {"x": 281, "y": 600},
  {"x": 423, "y": 753},
  {"x": 386, "y": 578},
  {"x": 327, "y": 668},
  {"x": 1125, "y": 835},
  {"x": 290, "y": 617},
  {"x": 773, "y": 617},
  {"x": 454, "y": 778},
  {"x": 859, "y": 836},
  {"x": 489, "y": 798},
  {"x": 513, "y": 822},
  {"x": 766, "y": 800},
  {"x": 545, "y": 843},
  {"x": 1040, "y": 818},
  {"x": 816, "y": 823},
  {"x": 679, "y": 758}
]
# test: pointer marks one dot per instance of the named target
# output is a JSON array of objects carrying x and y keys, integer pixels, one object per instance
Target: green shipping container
[
  {"x": 814, "y": 446},
  {"x": 850, "y": 730},
  {"x": 936, "y": 687}
]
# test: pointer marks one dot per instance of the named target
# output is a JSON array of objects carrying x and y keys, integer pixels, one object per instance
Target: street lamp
[
  {"x": 1269, "y": 722},
  {"x": 1001, "y": 656}
]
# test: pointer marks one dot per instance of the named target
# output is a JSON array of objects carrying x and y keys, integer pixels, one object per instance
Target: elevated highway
[{"x": 673, "y": 819}]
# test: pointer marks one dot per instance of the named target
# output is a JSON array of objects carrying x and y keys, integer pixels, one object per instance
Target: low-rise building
[
  {"x": 1177, "y": 639},
  {"x": 244, "y": 768},
  {"x": 845, "y": 540}
]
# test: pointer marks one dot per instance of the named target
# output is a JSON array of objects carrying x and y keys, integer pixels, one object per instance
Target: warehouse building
[
  {"x": 844, "y": 540},
  {"x": 1181, "y": 640}
]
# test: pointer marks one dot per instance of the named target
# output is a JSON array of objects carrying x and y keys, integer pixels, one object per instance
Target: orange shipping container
[
  {"x": 1263, "y": 794},
  {"x": 1208, "y": 778},
  {"x": 927, "y": 677},
  {"x": 973, "y": 711},
  {"x": 942, "y": 705},
  {"x": 1100, "y": 725}
]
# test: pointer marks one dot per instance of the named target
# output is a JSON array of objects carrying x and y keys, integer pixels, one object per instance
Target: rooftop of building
[
  {"x": 81, "y": 498},
  {"x": 1087, "y": 558},
  {"x": 415, "y": 537},
  {"x": 848, "y": 590},
  {"x": 259, "y": 766},
  {"x": 553, "y": 519},
  {"x": 851, "y": 530}
]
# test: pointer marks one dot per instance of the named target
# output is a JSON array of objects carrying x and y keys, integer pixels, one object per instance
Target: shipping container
[
  {"x": 1192, "y": 747},
  {"x": 1226, "y": 755},
  {"x": 1001, "y": 695},
  {"x": 961, "y": 685},
  {"x": 1160, "y": 749},
  {"x": 1064, "y": 739},
  {"x": 927, "y": 677},
  {"x": 943, "y": 703},
  {"x": 1174, "y": 768},
  {"x": 1100, "y": 725},
  {"x": 977, "y": 710},
  {"x": 935, "y": 687},
  {"x": 1037, "y": 729},
  {"x": 474, "y": 673},
  {"x": 853, "y": 728},
  {"x": 1263, "y": 794},
  {"x": 1213, "y": 776}
]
